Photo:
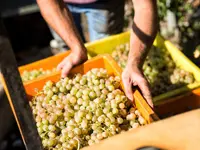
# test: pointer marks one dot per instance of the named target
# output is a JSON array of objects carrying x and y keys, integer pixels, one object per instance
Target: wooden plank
[{"x": 16, "y": 94}]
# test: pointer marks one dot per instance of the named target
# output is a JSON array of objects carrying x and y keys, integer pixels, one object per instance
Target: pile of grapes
[
  {"x": 159, "y": 69},
  {"x": 83, "y": 110},
  {"x": 33, "y": 74}
]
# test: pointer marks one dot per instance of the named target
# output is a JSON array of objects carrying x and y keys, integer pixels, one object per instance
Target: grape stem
[{"x": 78, "y": 148}]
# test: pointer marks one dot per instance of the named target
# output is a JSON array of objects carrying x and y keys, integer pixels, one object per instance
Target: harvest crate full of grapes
[
  {"x": 86, "y": 107},
  {"x": 169, "y": 72}
]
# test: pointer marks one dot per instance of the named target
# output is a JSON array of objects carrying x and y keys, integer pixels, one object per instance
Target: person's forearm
[
  {"x": 145, "y": 27},
  {"x": 60, "y": 19}
]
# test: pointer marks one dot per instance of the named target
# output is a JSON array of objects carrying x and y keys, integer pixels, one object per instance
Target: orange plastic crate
[
  {"x": 104, "y": 61},
  {"x": 186, "y": 102},
  {"x": 46, "y": 64}
]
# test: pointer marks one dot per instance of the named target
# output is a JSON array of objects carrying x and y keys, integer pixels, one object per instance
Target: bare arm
[
  {"x": 60, "y": 19},
  {"x": 145, "y": 27}
]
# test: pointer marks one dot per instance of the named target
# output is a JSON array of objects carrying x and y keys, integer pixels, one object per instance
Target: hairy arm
[
  {"x": 144, "y": 27},
  {"x": 144, "y": 30},
  {"x": 60, "y": 19}
]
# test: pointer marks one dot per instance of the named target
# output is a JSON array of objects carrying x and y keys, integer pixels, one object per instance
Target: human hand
[
  {"x": 133, "y": 76},
  {"x": 74, "y": 58}
]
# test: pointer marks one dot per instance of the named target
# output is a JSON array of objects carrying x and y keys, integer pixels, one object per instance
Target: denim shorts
[{"x": 102, "y": 21}]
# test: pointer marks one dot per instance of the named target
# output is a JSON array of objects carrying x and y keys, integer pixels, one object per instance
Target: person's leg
[
  {"x": 76, "y": 13},
  {"x": 105, "y": 22}
]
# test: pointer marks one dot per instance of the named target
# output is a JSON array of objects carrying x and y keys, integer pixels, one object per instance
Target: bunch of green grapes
[
  {"x": 83, "y": 110},
  {"x": 34, "y": 74},
  {"x": 159, "y": 69}
]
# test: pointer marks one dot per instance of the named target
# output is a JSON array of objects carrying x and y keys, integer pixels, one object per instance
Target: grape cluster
[
  {"x": 83, "y": 110},
  {"x": 159, "y": 69},
  {"x": 34, "y": 74}
]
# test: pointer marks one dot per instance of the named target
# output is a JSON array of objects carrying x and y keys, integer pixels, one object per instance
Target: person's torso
[
  {"x": 99, "y": 4},
  {"x": 81, "y": 1}
]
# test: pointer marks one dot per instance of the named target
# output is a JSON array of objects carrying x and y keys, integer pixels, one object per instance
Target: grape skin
[{"x": 34, "y": 74}]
